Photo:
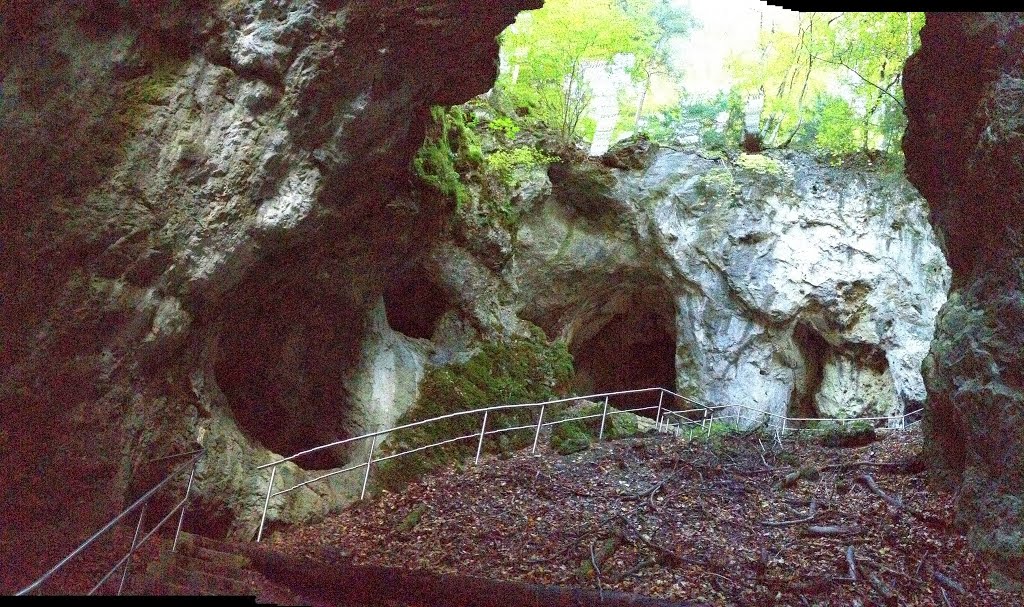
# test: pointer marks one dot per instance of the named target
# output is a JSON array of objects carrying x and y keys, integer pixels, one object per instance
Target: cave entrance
[
  {"x": 414, "y": 305},
  {"x": 633, "y": 348},
  {"x": 282, "y": 353},
  {"x": 814, "y": 352}
]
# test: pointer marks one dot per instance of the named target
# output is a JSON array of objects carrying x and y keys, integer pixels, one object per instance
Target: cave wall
[
  {"x": 737, "y": 258},
  {"x": 965, "y": 152},
  {"x": 183, "y": 182}
]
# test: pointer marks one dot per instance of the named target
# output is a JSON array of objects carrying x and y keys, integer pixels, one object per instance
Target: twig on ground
[
  {"x": 597, "y": 572},
  {"x": 810, "y": 517}
]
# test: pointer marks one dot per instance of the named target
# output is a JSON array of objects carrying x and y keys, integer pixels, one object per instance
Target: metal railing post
[
  {"x": 536, "y": 436},
  {"x": 369, "y": 462},
  {"x": 657, "y": 417},
  {"x": 184, "y": 506},
  {"x": 604, "y": 415},
  {"x": 480, "y": 443},
  {"x": 266, "y": 503},
  {"x": 135, "y": 538}
]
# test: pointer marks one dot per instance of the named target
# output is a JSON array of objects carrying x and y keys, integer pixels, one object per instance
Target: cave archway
[
  {"x": 631, "y": 347},
  {"x": 283, "y": 350},
  {"x": 814, "y": 352},
  {"x": 414, "y": 304}
]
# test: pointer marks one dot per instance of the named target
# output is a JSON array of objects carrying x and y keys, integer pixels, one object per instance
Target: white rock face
[{"x": 789, "y": 286}]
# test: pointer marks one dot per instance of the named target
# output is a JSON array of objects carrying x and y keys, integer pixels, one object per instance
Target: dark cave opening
[
  {"x": 281, "y": 360},
  {"x": 635, "y": 349},
  {"x": 414, "y": 305},
  {"x": 814, "y": 351}
]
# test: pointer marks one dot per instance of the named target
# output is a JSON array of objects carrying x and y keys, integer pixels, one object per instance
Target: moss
[
  {"x": 716, "y": 183},
  {"x": 450, "y": 145},
  {"x": 569, "y": 438},
  {"x": 519, "y": 370},
  {"x": 573, "y": 436},
  {"x": 413, "y": 518},
  {"x": 508, "y": 165},
  {"x": 856, "y": 434},
  {"x": 762, "y": 165}
]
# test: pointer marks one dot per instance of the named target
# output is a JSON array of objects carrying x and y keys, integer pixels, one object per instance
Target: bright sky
[{"x": 727, "y": 26}]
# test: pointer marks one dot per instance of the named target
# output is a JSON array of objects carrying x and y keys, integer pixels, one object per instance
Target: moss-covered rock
[
  {"x": 856, "y": 434},
  {"x": 519, "y": 370}
]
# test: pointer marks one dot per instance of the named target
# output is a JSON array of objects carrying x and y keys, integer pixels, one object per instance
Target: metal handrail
[
  {"x": 663, "y": 412},
  {"x": 141, "y": 502},
  {"x": 449, "y": 416}
]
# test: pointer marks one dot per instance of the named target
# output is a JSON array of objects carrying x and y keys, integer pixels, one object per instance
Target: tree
[
  {"x": 553, "y": 47},
  {"x": 668, "y": 21},
  {"x": 837, "y": 75}
]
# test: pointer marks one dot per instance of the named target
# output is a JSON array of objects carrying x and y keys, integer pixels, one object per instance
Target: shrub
[{"x": 505, "y": 127}]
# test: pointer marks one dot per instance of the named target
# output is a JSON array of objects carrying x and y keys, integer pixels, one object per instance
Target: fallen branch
[
  {"x": 592, "y": 566},
  {"x": 948, "y": 582},
  {"x": 830, "y": 530},
  {"x": 851, "y": 563},
  {"x": 931, "y": 521},
  {"x": 597, "y": 572},
  {"x": 810, "y": 517},
  {"x": 849, "y": 465}
]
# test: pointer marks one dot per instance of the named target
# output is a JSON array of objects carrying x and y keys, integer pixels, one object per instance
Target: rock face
[
  {"x": 965, "y": 152},
  {"x": 207, "y": 201},
  {"x": 777, "y": 283}
]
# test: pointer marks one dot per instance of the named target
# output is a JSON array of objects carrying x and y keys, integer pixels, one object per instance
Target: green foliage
[
  {"x": 450, "y": 144},
  {"x": 507, "y": 163},
  {"x": 549, "y": 48},
  {"x": 834, "y": 84},
  {"x": 700, "y": 116},
  {"x": 504, "y": 126},
  {"x": 517, "y": 371}
]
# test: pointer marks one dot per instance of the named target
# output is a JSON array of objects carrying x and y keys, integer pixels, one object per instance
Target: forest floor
[{"x": 736, "y": 520}]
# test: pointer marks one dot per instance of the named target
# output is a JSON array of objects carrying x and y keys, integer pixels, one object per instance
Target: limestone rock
[{"x": 965, "y": 151}]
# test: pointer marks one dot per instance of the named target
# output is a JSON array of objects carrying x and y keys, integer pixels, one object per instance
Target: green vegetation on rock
[
  {"x": 762, "y": 165},
  {"x": 450, "y": 144},
  {"x": 577, "y": 435},
  {"x": 506, "y": 164},
  {"x": 717, "y": 182},
  {"x": 519, "y": 370},
  {"x": 855, "y": 434}
]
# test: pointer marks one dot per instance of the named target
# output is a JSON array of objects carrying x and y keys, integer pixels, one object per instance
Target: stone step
[
  {"x": 209, "y": 583},
  {"x": 161, "y": 588},
  {"x": 216, "y": 557},
  {"x": 219, "y": 568}
]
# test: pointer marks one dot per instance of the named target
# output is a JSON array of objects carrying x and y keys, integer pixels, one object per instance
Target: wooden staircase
[{"x": 203, "y": 566}]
